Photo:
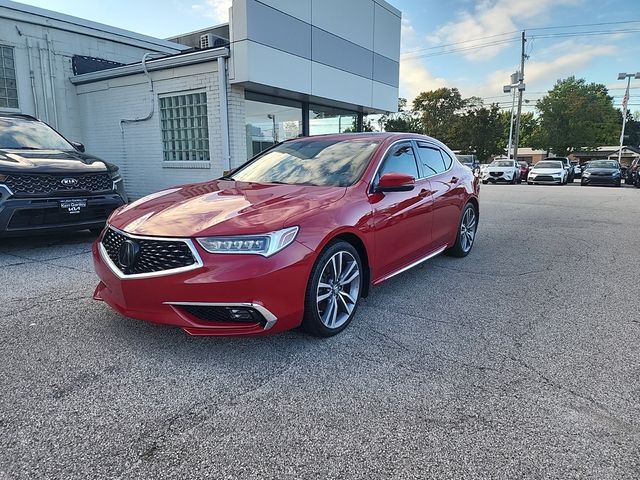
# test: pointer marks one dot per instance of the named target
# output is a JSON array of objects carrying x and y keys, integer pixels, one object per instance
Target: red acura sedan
[{"x": 295, "y": 236}]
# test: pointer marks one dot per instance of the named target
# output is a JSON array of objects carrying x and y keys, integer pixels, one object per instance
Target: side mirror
[
  {"x": 396, "y": 182},
  {"x": 78, "y": 146}
]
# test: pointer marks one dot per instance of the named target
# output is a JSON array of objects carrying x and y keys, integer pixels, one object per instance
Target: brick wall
[{"x": 137, "y": 147}]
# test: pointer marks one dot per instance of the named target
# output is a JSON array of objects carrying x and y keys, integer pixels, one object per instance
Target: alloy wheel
[
  {"x": 468, "y": 229},
  {"x": 338, "y": 289}
]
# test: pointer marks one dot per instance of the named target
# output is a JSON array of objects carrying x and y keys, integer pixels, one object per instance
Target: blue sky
[{"x": 428, "y": 24}]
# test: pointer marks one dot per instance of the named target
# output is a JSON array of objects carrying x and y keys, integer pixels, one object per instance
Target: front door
[{"x": 402, "y": 220}]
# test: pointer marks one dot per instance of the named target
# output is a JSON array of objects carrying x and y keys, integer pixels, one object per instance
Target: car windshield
[
  {"x": 322, "y": 162},
  {"x": 24, "y": 134},
  {"x": 554, "y": 165},
  {"x": 602, "y": 164},
  {"x": 502, "y": 163}
]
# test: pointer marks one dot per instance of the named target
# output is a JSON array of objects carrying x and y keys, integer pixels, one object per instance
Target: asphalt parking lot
[{"x": 522, "y": 360}]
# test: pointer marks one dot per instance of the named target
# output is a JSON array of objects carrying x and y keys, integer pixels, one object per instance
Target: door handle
[
  {"x": 424, "y": 193},
  {"x": 454, "y": 180}
]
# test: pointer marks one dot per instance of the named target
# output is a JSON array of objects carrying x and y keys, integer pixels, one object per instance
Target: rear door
[
  {"x": 447, "y": 191},
  {"x": 402, "y": 220}
]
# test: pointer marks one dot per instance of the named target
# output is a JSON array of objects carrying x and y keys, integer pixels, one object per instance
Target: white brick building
[{"x": 169, "y": 113}]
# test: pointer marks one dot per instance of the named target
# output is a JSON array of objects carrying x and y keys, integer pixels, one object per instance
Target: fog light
[{"x": 240, "y": 314}]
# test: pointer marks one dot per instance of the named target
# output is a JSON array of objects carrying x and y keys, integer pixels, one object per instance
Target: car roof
[
  {"x": 18, "y": 115},
  {"x": 380, "y": 136}
]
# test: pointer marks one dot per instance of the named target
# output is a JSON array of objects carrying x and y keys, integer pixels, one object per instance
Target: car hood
[
  {"x": 602, "y": 171},
  {"x": 500, "y": 169},
  {"x": 221, "y": 207},
  {"x": 547, "y": 171},
  {"x": 51, "y": 161}
]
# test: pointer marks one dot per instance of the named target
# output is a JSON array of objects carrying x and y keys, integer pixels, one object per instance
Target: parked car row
[{"x": 560, "y": 171}]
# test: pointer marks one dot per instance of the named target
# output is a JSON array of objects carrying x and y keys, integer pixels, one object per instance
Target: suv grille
[
  {"x": 46, "y": 184},
  {"x": 152, "y": 255}
]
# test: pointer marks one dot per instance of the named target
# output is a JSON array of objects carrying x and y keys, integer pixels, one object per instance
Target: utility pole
[
  {"x": 520, "y": 93},
  {"x": 625, "y": 101}
]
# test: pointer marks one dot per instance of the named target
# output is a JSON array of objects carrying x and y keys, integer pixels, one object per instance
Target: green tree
[
  {"x": 575, "y": 115},
  {"x": 528, "y": 127},
  {"x": 438, "y": 110},
  {"x": 403, "y": 121},
  {"x": 632, "y": 128},
  {"x": 480, "y": 131}
]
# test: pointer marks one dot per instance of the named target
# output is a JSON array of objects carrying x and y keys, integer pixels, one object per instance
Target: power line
[
  {"x": 466, "y": 49},
  {"x": 435, "y": 47}
]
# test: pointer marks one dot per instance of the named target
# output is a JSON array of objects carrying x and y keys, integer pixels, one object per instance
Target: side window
[
  {"x": 447, "y": 160},
  {"x": 431, "y": 159},
  {"x": 400, "y": 160}
]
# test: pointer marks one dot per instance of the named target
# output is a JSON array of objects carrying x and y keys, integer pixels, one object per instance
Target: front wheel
[
  {"x": 333, "y": 290},
  {"x": 466, "y": 232}
]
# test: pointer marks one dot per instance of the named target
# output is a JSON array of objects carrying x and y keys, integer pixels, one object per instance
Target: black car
[
  {"x": 602, "y": 172},
  {"x": 48, "y": 183},
  {"x": 632, "y": 174}
]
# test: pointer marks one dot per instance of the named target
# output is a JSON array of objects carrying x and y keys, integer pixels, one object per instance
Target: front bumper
[
  {"x": 549, "y": 179},
  {"x": 600, "y": 180},
  {"x": 275, "y": 287},
  {"x": 29, "y": 215},
  {"x": 503, "y": 177}
]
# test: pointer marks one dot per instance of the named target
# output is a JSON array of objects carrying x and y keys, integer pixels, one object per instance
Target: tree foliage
[
  {"x": 573, "y": 115},
  {"x": 576, "y": 115}
]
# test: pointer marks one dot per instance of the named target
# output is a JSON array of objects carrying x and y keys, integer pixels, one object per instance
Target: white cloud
[
  {"x": 491, "y": 17},
  {"x": 540, "y": 75},
  {"x": 414, "y": 76},
  {"x": 217, "y": 10}
]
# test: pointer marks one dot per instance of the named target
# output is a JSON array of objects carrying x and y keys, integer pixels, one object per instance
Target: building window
[
  {"x": 323, "y": 120},
  {"x": 270, "y": 120},
  {"x": 185, "y": 129},
  {"x": 8, "y": 88}
]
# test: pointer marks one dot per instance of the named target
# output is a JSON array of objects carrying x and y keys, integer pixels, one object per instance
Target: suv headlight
[{"x": 265, "y": 245}]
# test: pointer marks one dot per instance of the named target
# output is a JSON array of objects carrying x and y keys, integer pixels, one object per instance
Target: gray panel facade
[
  {"x": 276, "y": 29},
  {"x": 273, "y": 28},
  {"x": 334, "y": 51}
]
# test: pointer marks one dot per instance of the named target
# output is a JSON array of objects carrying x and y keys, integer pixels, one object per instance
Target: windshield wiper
[
  {"x": 226, "y": 177},
  {"x": 23, "y": 148}
]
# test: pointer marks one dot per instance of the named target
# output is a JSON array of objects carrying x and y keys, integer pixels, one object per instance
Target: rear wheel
[
  {"x": 466, "y": 232},
  {"x": 333, "y": 290}
]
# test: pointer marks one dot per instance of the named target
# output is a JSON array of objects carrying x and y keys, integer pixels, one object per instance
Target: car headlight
[
  {"x": 586, "y": 174},
  {"x": 616, "y": 174},
  {"x": 265, "y": 245}
]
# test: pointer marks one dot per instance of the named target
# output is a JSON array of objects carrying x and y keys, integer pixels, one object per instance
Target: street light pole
[{"x": 625, "y": 101}]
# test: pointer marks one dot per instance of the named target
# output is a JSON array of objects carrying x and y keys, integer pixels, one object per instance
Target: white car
[
  {"x": 548, "y": 171},
  {"x": 502, "y": 170}
]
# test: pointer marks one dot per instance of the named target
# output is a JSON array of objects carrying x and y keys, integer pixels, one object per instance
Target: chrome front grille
[
  {"x": 43, "y": 184},
  {"x": 153, "y": 256}
]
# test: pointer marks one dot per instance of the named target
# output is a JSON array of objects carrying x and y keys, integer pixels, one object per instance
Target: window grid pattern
[
  {"x": 8, "y": 88},
  {"x": 185, "y": 128}
]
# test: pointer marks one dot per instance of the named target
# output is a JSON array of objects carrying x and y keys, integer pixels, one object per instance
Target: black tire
[
  {"x": 484, "y": 182},
  {"x": 619, "y": 184},
  {"x": 529, "y": 183},
  {"x": 458, "y": 250},
  {"x": 312, "y": 321},
  {"x": 519, "y": 181},
  {"x": 583, "y": 184}
]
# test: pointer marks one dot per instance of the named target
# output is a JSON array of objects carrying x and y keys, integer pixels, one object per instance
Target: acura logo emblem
[
  {"x": 69, "y": 182},
  {"x": 128, "y": 255}
]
